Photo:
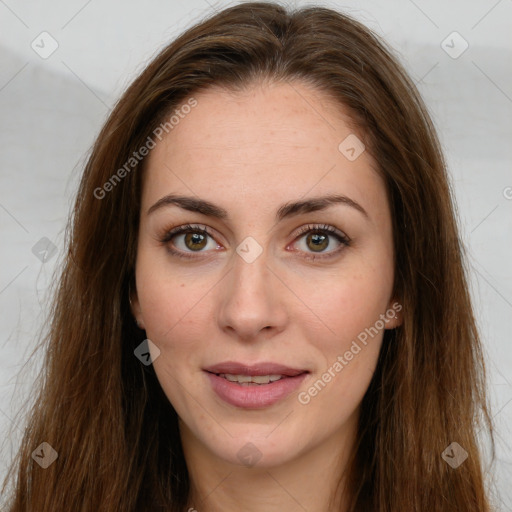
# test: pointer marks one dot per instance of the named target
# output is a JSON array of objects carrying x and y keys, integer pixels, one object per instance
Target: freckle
[{"x": 182, "y": 285}]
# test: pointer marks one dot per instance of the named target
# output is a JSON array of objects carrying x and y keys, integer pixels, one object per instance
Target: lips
[{"x": 253, "y": 386}]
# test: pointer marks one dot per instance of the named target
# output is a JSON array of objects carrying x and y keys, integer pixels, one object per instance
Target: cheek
[
  {"x": 172, "y": 301},
  {"x": 346, "y": 304},
  {"x": 350, "y": 311},
  {"x": 175, "y": 320},
  {"x": 174, "y": 315},
  {"x": 336, "y": 394}
]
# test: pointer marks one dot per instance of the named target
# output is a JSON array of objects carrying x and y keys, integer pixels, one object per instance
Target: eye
[
  {"x": 314, "y": 240},
  {"x": 188, "y": 240}
]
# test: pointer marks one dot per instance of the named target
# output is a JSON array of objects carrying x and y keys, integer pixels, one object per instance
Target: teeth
[{"x": 251, "y": 379}]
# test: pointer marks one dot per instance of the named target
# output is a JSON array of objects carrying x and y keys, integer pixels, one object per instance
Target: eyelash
[{"x": 319, "y": 228}]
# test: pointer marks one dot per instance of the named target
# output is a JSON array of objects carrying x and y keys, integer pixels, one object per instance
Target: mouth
[
  {"x": 254, "y": 386},
  {"x": 251, "y": 380}
]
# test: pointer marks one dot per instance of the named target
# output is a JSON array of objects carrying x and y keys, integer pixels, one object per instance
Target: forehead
[
  {"x": 273, "y": 139},
  {"x": 264, "y": 115}
]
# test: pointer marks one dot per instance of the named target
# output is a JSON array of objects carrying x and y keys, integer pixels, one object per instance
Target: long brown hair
[{"x": 104, "y": 412}]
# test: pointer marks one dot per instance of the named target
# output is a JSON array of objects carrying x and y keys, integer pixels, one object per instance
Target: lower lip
[{"x": 254, "y": 396}]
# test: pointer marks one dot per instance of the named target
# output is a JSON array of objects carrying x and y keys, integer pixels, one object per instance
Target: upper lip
[{"x": 264, "y": 368}]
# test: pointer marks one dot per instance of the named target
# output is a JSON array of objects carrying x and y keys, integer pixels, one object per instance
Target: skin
[{"x": 250, "y": 153}]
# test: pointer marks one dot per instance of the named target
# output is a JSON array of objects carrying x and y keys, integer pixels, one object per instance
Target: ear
[
  {"x": 135, "y": 307},
  {"x": 394, "y": 314}
]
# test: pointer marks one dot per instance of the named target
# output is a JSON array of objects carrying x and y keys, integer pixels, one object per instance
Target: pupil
[
  {"x": 319, "y": 241},
  {"x": 195, "y": 239}
]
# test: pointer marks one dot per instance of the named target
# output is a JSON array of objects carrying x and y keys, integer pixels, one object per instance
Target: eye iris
[
  {"x": 319, "y": 240},
  {"x": 198, "y": 240}
]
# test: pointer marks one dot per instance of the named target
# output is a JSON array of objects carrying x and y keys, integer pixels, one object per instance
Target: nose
[{"x": 252, "y": 300}]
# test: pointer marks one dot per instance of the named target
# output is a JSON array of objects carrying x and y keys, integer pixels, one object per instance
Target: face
[{"x": 267, "y": 302}]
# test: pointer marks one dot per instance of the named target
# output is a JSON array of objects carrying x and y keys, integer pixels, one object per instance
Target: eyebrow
[{"x": 194, "y": 204}]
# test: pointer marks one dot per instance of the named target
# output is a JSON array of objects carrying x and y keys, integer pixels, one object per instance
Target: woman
[{"x": 264, "y": 305}]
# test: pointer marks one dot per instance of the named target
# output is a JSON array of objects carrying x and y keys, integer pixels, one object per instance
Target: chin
[{"x": 251, "y": 452}]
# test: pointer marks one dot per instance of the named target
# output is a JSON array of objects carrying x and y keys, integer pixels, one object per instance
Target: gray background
[{"x": 52, "y": 108}]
